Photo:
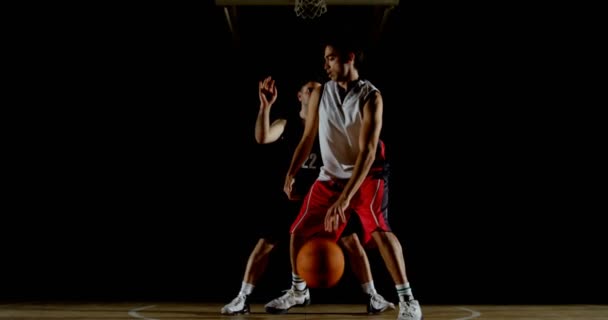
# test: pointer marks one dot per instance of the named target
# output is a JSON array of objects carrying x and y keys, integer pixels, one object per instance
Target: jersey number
[{"x": 311, "y": 162}]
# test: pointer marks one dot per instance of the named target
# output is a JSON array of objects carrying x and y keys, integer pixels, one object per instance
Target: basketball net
[{"x": 310, "y": 9}]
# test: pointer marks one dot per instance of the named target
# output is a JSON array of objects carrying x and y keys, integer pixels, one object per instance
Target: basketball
[{"x": 320, "y": 262}]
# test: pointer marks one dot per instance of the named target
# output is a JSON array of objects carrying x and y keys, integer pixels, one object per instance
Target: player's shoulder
[
  {"x": 368, "y": 91},
  {"x": 367, "y": 86}
]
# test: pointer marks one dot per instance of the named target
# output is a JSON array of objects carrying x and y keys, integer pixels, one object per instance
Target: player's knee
[
  {"x": 351, "y": 243},
  {"x": 380, "y": 236}
]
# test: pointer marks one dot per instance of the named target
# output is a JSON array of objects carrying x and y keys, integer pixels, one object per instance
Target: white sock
[
  {"x": 297, "y": 282},
  {"x": 369, "y": 288},
  {"x": 404, "y": 292},
  {"x": 246, "y": 288}
]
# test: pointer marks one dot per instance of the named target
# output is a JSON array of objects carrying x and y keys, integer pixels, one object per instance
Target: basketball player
[
  {"x": 346, "y": 113},
  {"x": 278, "y": 133}
]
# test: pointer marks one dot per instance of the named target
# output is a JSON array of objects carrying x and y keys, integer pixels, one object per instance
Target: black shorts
[{"x": 274, "y": 218}]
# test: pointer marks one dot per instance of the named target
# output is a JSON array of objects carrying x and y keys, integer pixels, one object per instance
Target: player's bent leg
[
  {"x": 256, "y": 265},
  {"x": 298, "y": 295},
  {"x": 362, "y": 270}
]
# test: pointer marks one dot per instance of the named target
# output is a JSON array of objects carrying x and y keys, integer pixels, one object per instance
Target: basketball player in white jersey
[{"x": 346, "y": 113}]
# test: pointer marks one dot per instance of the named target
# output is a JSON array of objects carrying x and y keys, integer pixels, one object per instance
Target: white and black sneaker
[
  {"x": 238, "y": 305},
  {"x": 291, "y": 298},
  {"x": 378, "y": 304},
  {"x": 409, "y": 310}
]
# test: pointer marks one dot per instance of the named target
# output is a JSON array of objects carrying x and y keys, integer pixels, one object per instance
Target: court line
[
  {"x": 135, "y": 312},
  {"x": 12, "y": 304},
  {"x": 474, "y": 314}
]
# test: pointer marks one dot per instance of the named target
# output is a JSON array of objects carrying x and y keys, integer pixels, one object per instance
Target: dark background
[{"x": 134, "y": 173}]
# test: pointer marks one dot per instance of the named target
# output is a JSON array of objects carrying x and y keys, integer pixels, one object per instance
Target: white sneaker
[
  {"x": 291, "y": 298},
  {"x": 409, "y": 310},
  {"x": 238, "y": 305},
  {"x": 378, "y": 304}
]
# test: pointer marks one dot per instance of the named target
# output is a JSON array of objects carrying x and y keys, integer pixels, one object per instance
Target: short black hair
[{"x": 345, "y": 42}]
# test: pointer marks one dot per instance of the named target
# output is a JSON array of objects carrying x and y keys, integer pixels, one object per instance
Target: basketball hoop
[{"x": 310, "y": 9}]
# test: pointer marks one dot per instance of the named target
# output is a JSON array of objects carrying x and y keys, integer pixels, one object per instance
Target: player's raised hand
[{"x": 268, "y": 92}]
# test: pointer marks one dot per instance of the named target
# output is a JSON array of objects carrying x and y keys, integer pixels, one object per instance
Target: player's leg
[
  {"x": 256, "y": 265},
  {"x": 371, "y": 206},
  {"x": 360, "y": 266},
  {"x": 308, "y": 223},
  {"x": 270, "y": 234}
]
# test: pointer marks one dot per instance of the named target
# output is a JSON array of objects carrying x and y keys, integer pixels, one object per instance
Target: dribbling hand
[{"x": 335, "y": 215}]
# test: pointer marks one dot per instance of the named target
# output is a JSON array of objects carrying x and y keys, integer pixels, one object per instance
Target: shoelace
[
  {"x": 375, "y": 298},
  {"x": 288, "y": 293},
  {"x": 238, "y": 300},
  {"x": 409, "y": 311}
]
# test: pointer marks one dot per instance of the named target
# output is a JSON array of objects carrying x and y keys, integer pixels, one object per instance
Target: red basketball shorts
[{"x": 368, "y": 203}]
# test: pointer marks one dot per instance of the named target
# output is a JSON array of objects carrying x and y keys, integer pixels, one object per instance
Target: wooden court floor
[{"x": 194, "y": 311}]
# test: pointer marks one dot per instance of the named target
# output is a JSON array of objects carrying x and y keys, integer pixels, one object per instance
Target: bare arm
[
  {"x": 368, "y": 142},
  {"x": 306, "y": 142},
  {"x": 265, "y": 132}
]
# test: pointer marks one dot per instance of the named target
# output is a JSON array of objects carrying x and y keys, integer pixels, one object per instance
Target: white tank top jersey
[{"x": 339, "y": 126}]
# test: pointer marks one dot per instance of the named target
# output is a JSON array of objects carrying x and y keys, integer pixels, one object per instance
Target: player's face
[
  {"x": 333, "y": 64},
  {"x": 304, "y": 96}
]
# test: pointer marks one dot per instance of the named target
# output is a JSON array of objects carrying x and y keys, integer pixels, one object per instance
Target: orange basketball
[{"x": 320, "y": 262}]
